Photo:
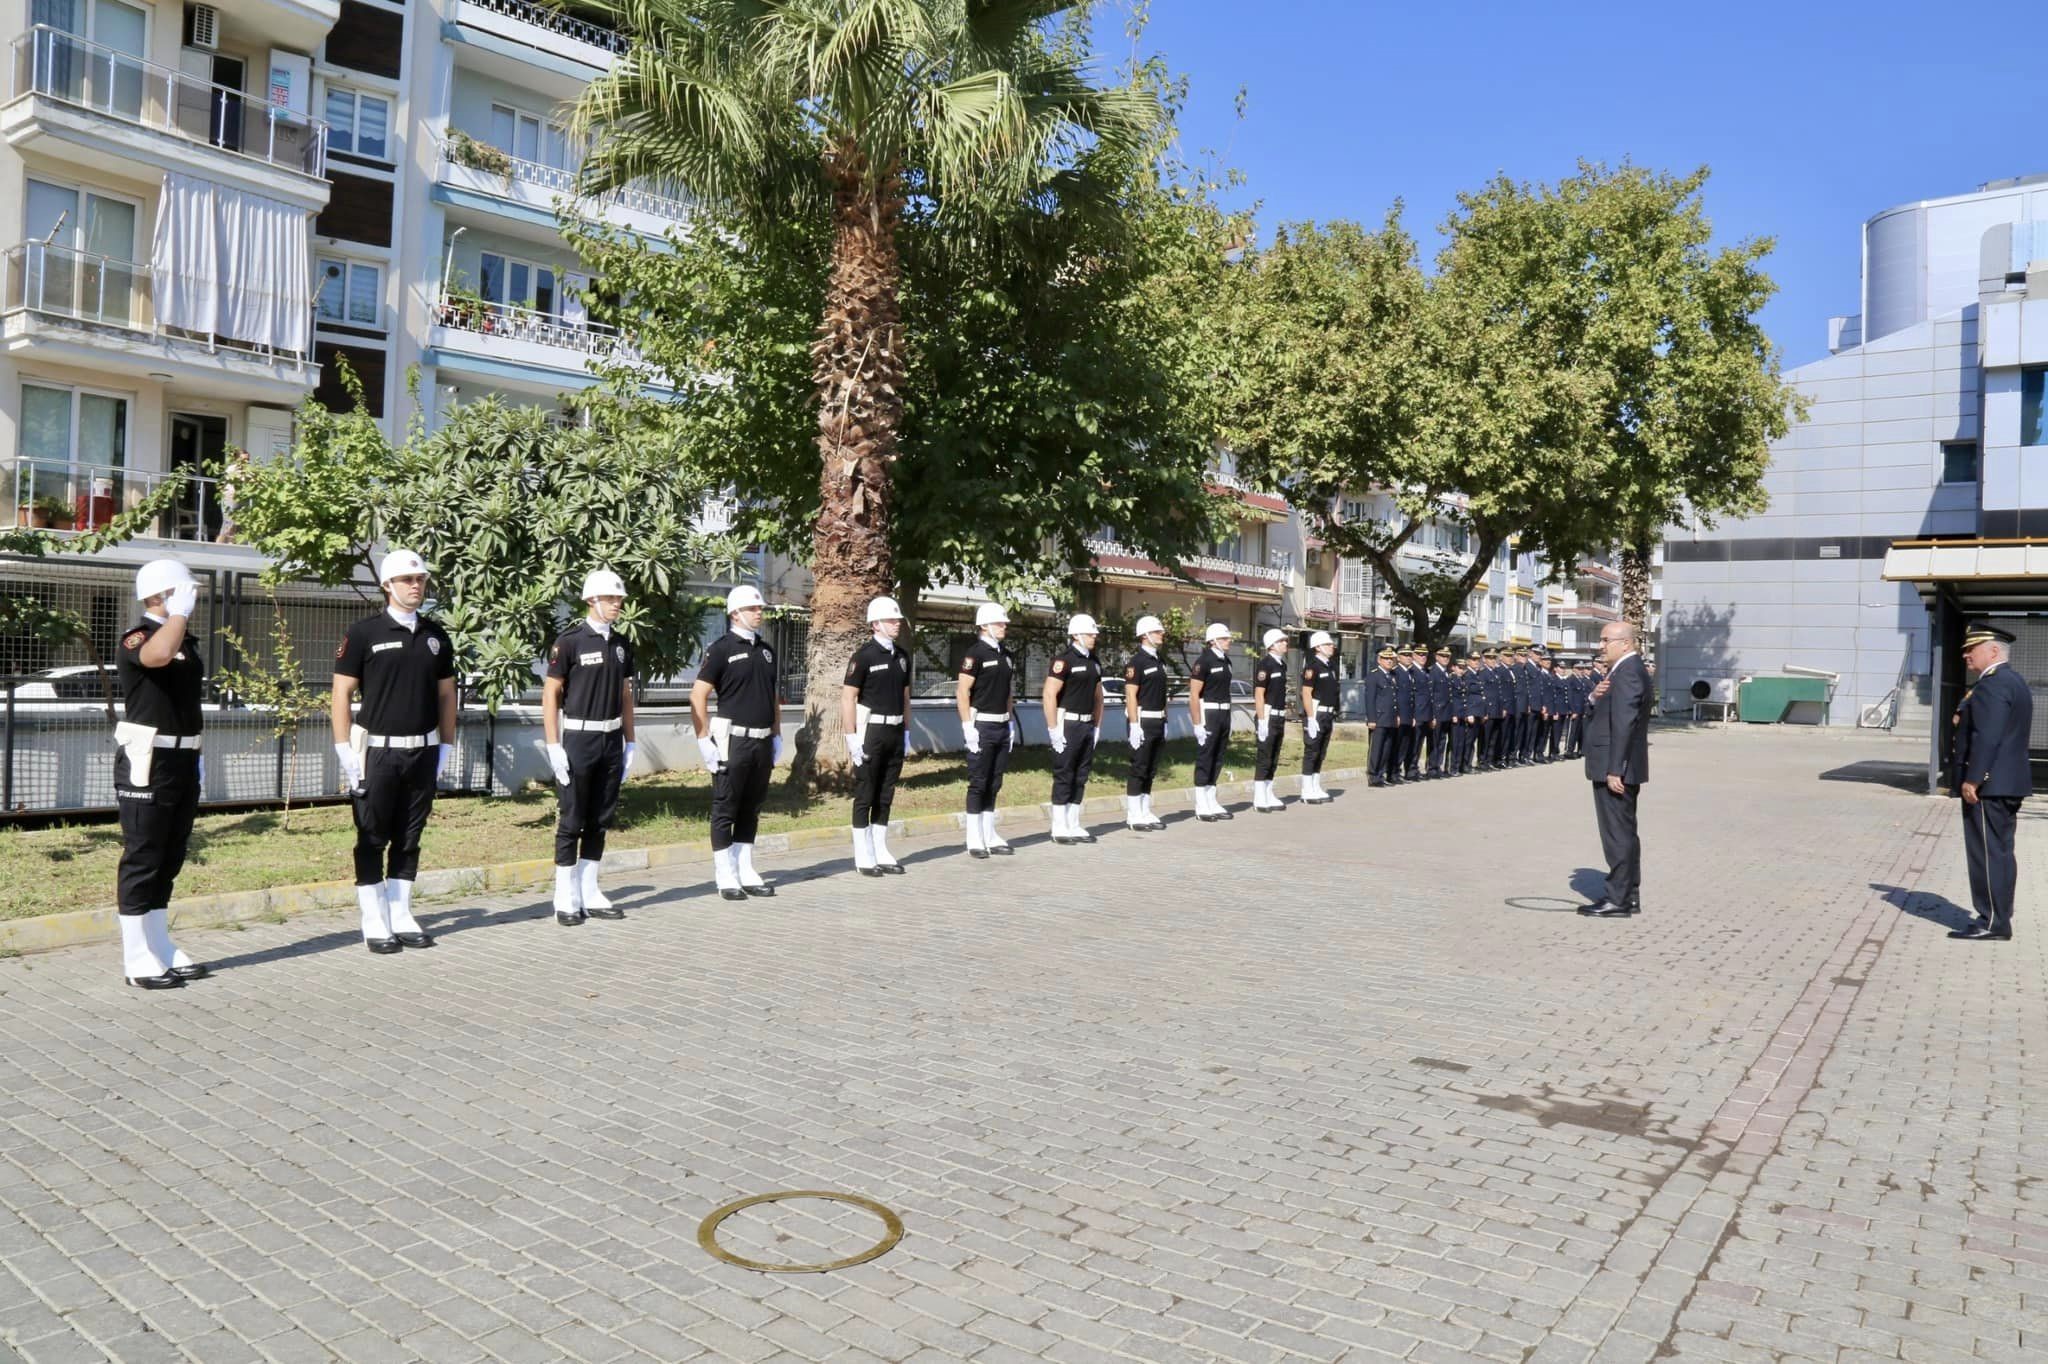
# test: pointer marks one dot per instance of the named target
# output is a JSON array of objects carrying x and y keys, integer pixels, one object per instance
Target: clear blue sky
[{"x": 1813, "y": 116}]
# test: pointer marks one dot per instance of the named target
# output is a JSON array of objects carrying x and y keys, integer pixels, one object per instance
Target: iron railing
[
  {"x": 513, "y": 322},
  {"x": 56, "y": 495},
  {"x": 553, "y": 21},
  {"x": 561, "y": 180}
]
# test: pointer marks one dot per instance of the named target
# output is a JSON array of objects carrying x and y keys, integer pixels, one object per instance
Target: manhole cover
[{"x": 801, "y": 1228}]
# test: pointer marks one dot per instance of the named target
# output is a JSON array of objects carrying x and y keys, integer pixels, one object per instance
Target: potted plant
[
  {"x": 465, "y": 150},
  {"x": 49, "y": 513}
]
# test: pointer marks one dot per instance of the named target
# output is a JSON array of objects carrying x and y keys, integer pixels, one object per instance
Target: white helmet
[
  {"x": 743, "y": 596},
  {"x": 1319, "y": 639},
  {"x": 1217, "y": 630},
  {"x": 884, "y": 608},
  {"x": 990, "y": 613},
  {"x": 1148, "y": 625},
  {"x": 602, "y": 582},
  {"x": 1083, "y": 624},
  {"x": 161, "y": 575},
  {"x": 400, "y": 563},
  {"x": 1275, "y": 637}
]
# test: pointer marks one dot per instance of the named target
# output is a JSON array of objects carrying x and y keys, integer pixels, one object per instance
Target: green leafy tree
[{"x": 272, "y": 681}]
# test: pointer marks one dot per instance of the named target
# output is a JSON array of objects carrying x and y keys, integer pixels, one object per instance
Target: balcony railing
[
  {"x": 62, "y": 66},
  {"x": 553, "y": 21},
  {"x": 1322, "y": 601},
  {"x": 78, "y": 286},
  {"x": 561, "y": 181},
  {"x": 514, "y": 323},
  {"x": 1203, "y": 562},
  {"x": 58, "y": 495}
]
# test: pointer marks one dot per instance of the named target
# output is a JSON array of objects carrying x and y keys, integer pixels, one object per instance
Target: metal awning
[{"x": 1975, "y": 575}]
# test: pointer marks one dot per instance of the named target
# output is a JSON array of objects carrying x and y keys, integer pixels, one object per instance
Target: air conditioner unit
[
  {"x": 1714, "y": 689},
  {"x": 205, "y": 26}
]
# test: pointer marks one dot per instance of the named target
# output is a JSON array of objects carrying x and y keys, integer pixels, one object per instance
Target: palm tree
[{"x": 862, "y": 111}]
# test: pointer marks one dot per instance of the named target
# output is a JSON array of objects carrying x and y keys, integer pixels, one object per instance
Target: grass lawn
[{"x": 72, "y": 866}]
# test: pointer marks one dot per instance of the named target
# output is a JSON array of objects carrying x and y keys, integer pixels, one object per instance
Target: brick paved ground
[{"x": 1341, "y": 1084}]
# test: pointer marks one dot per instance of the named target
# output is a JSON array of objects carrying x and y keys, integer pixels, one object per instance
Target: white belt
[
  {"x": 1086, "y": 717},
  {"x": 885, "y": 719},
  {"x": 1216, "y": 705},
  {"x": 403, "y": 740},
  {"x": 742, "y": 732},
  {"x": 175, "y": 741},
  {"x": 982, "y": 717},
  {"x": 1151, "y": 715},
  {"x": 601, "y": 726}
]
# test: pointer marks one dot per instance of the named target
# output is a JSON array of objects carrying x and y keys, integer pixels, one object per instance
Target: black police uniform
[
  {"x": 1269, "y": 678},
  {"x": 1501, "y": 696},
  {"x": 1992, "y": 727},
  {"x": 990, "y": 695},
  {"x": 1461, "y": 722},
  {"x": 399, "y": 671},
  {"x": 1322, "y": 682},
  {"x": 594, "y": 666},
  {"x": 157, "y": 814},
  {"x": 1213, "y": 672},
  {"x": 1145, "y": 677},
  {"x": 1382, "y": 711},
  {"x": 741, "y": 673},
  {"x": 1523, "y": 674},
  {"x": 1404, "y": 709},
  {"x": 1078, "y": 679},
  {"x": 879, "y": 671},
  {"x": 1438, "y": 678}
]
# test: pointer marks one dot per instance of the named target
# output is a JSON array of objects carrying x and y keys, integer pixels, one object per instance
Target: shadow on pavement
[
  {"x": 1901, "y": 776},
  {"x": 1921, "y": 904}
]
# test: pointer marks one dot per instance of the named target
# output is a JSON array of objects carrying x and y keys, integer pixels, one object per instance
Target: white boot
[
  {"x": 1134, "y": 812},
  {"x": 976, "y": 842},
  {"x": 398, "y": 894},
  {"x": 884, "y": 859},
  {"x": 725, "y": 868},
  {"x": 1152, "y": 821},
  {"x": 567, "y": 909},
  {"x": 156, "y": 926},
  {"x": 990, "y": 839},
  {"x": 586, "y": 885},
  {"x": 864, "y": 852},
  {"x": 376, "y": 916},
  {"x": 1075, "y": 829},
  {"x": 138, "y": 960},
  {"x": 750, "y": 880}
]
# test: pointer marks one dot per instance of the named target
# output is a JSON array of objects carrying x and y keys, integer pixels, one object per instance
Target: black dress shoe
[
  {"x": 1083, "y": 837},
  {"x": 166, "y": 981},
  {"x": 608, "y": 912},
  {"x": 978, "y": 854},
  {"x": 759, "y": 892},
  {"x": 569, "y": 920},
  {"x": 1208, "y": 819},
  {"x": 198, "y": 970},
  {"x": 1983, "y": 933},
  {"x": 1063, "y": 840},
  {"x": 383, "y": 947},
  {"x": 414, "y": 939},
  {"x": 1002, "y": 850},
  {"x": 1605, "y": 909},
  {"x": 1371, "y": 784},
  {"x": 731, "y": 893},
  {"x": 892, "y": 869},
  {"x": 869, "y": 871},
  {"x": 1225, "y": 814}
]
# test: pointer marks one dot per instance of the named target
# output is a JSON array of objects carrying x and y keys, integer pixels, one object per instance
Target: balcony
[
  {"x": 55, "y": 495},
  {"x": 296, "y": 24},
  {"x": 77, "y": 308},
  {"x": 1322, "y": 602},
  {"x": 1225, "y": 577},
  {"x": 520, "y": 347},
  {"x": 539, "y": 47},
  {"x": 1268, "y": 506},
  {"x": 89, "y": 105},
  {"x": 473, "y": 177}
]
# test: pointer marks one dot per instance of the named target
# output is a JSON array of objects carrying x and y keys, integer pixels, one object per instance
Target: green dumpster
[{"x": 1770, "y": 700}]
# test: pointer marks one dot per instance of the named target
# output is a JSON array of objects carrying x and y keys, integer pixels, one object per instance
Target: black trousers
[
  {"x": 156, "y": 826},
  {"x": 391, "y": 810},
  {"x": 1145, "y": 758},
  {"x": 585, "y": 808},
  {"x": 1267, "y": 760},
  {"x": 1576, "y": 736},
  {"x": 1209, "y": 757},
  {"x": 1070, "y": 767},
  {"x": 1619, "y": 844},
  {"x": 738, "y": 789},
  {"x": 1411, "y": 748},
  {"x": 1988, "y": 828},
  {"x": 1525, "y": 735},
  {"x": 874, "y": 781},
  {"x": 1461, "y": 747},
  {"x": 1314, "y": 746},
  {"x": 1503, "y": 730},
  {"x": 1439, "y": 745},
  {"x": 1379, "y": 761},
  {"x": 985, "y": 769}
]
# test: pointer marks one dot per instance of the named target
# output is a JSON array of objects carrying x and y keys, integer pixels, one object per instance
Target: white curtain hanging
[{"x": 229, "y": 263}]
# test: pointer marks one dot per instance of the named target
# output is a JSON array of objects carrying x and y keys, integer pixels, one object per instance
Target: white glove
[
  {"x": 1201, "y": 734},
  {"x": 775, "y": 751},
  {"x": 1315, "y": 727},
  {"x": 906, "y": 741},
  {"x": 1016, "y": 732},
  {"x": 183, "y": 601},
  {"x": 351, "y": 766},
  {"x": 709, "y": 750},
  {"x": 202, "y": 772},
  {"x": 854, "y": 750},
  {"x": 626, "y": 763},
  {"x": 558, "y": 758},
  {"x": 1136, "y": 736},
  {"x": 447, "y": 757},
  {"x": 1095, "y": 737},
  {"x": 1056, "y": 735},
  {"x": 970, "y": 734}
]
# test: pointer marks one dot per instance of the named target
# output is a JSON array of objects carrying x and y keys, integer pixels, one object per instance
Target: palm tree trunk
[
  {"x": 1635, "y": 587},
  {"x": 857, "y": 366}
]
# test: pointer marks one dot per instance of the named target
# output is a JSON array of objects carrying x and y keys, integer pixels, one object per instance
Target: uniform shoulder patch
[
  {"x": 341, "y": 649},
  {"x": 1130, "y": 672},
  {"x": 968, "y": 663},
  {"x": 555, "y": 652},
  {"x": 1059, "y": 665},
  {"x": 134, "y": 639},
  {"x": 1262, "y": 674}
]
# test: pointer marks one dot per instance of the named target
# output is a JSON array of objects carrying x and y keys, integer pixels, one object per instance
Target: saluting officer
[
  {"x": 1405, "y": 710},
  {"x": 1992, "y": 775},
  {"x": 1320, "y": 701},
  {"x": 157, "y": 771},
  {"x": 1382, "y": 720},
  {"x": 397, "y": 746},
  {"x": 1145, "y": 684},
  {"x": 874, "y": 709},
  {"x": 1073, "y": 723},
  {"x": 1441, "y": 720},
  {"x": 741, "y": 747},
  {"x": 1269, "y": 720},
  {"x": 1209, "y": 709},
  {"x": 586, "y": 714},
  {"x": 987, "y": 696}
]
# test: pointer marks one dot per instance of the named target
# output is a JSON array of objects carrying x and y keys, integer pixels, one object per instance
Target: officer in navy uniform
[
  {"x": 586, "y": 714},
  {"x": 1073, "y": 725},
  {"x": 158, "y": 772},
  {"x": 874, "y": 710},
  {"x": 1480, "y": 692},
  {"x": 1145, "y": 687},
  {"x": 1462, "y": 717},
  {"x": 1209, "y": 709},
  {"x": 1504, "y": 707},
  {"x": 1382, "y": 719},
  {"x": 1992, "y": 774},
  {"x": 1441, "y": 719},
  {"x": 1269, "y": 720},
  {"x": 1320, "y": 702},
  {"x": 986, "y": 694},
  {"x": 741, "y": 747},
  {"x": 396, "y": 748},
  {"x": 1404, "y": 711},
  {"x": 1527, "y": 702},
  {"x": 1575, "y": 703},
  {"x": 1546, "y": 707}
]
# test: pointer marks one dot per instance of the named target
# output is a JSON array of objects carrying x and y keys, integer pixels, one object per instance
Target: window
[
  {"x": 67, "y": 435},
  {"x": 518, "y": 283},
  {"x": 1959, "y": 461},
  {"x": 2033, "y": 421},
  {"x": 349, "y": 292},
  {"x": 358, "y": 123},
  {"x": 529, "y": 137}
]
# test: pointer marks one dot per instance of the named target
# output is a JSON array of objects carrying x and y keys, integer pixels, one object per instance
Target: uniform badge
[
  {"x": 1262, "y": 677},
  {"x": 766, "y": 654},
  {"x": 134, "y": 639},
  {"x": 619, "y": 652},
  {"x": 341, "y": 649},
  {"x": 555, "y": 652},
  {"x": 1059, "y": 665},
  {"x": 968, "y": 664},
  {"x": 433, "y": 644}
]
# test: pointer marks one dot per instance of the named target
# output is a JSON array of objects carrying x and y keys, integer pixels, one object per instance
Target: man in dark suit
[
  {"x": 1381, "y": 719},
  {"x": 1617, "y": 764},
  {"x": 1992, "y": 775}
]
